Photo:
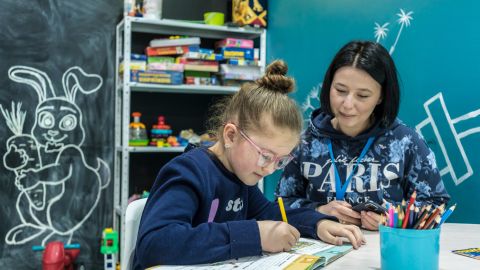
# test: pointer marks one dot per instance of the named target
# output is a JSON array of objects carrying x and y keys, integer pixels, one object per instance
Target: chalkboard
[
  {"x": 56, "y": 127},
  {"x": 435, "y": 46}
]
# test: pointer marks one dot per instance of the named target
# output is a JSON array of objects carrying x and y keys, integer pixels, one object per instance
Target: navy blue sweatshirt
[
  {"x": 397, "y": 163},
  {"x": 174, "y": 227}
]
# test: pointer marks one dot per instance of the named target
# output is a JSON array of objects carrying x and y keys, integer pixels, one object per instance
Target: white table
[{"x": 453, "y": 236}]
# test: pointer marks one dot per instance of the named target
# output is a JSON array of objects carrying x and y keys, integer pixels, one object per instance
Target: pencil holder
[{"x": 409, "y": 249}]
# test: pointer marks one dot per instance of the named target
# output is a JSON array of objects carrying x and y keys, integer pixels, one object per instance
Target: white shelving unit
[{"x": 125, "y": 89}]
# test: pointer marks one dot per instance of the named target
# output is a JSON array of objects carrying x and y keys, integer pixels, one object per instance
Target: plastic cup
[
  {"x": 214, "y": 18},
  {"x": 409, "y": 249}
]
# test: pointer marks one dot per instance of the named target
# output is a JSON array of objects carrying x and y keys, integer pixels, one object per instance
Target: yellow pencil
[{"x": 282, "y": 210}]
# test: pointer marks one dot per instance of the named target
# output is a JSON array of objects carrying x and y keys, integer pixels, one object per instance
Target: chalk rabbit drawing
[{"x": 58, "y": 189}]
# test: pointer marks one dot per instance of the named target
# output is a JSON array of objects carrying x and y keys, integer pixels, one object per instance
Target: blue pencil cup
[{"x": 409, "y": 249}]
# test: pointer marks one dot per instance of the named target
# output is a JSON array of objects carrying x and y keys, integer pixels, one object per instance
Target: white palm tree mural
[
  {"x": 381, "y": 31},
  {"x": 311, "y": 102},
  {"x": 404, "y": 21}
]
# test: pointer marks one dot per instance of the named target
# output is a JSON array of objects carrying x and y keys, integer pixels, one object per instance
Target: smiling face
[
  {"x": 58, "y": 123},
  {"x": 353, "y": 97},
  {"x": 241, "y": 156}
]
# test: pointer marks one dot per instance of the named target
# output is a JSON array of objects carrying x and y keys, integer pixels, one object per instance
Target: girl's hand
[
  {"x": 341, "y": 210},
  {"x": 277, "y": 236},
  {"x": 332, "y": 232},
  {"x": 370, "y": 220}
]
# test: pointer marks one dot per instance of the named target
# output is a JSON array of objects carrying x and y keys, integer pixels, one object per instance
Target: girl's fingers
[
  {"x": 334, "y": 240},
  {"x": 345, "y": 232},
  {"x": 358, "y": 234},
  {"x": 295, "y": 233}
]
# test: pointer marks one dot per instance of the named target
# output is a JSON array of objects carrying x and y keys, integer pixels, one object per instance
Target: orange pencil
[
  {"x": 432, "y": 217},
  {"x": 423, "y": 215},
  {"x": 435, "y": 222},
  {"x": 412, "y": 200}
]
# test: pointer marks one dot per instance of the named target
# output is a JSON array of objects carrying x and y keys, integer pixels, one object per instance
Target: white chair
[{"x": 132, "y": 222}]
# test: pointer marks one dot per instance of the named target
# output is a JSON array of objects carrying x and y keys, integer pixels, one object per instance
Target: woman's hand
[
  {"x": 277, "y": 236},
  {"x": 332, "y": 232},
  {"x": 370, "y": 220},
  {"x": 341, "y": 210}
]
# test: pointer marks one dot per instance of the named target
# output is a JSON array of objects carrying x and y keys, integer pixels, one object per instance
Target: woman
[{"x": 374, "y": 155}]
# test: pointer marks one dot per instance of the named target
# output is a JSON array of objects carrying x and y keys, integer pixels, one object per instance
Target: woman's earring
[{"x": 227, "y": 146}]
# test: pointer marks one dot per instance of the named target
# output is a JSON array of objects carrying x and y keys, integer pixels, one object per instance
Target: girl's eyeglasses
[{"x": 265, "y": 157}]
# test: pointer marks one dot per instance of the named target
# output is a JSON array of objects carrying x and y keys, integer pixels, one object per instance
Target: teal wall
[{"x": 438, "y": 59}]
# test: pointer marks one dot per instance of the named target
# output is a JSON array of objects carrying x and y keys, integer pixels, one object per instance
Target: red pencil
[{"x": 412, "y": 200}]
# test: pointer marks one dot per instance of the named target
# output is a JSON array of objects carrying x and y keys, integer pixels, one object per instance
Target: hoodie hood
[{"x": 321, "y": 126}]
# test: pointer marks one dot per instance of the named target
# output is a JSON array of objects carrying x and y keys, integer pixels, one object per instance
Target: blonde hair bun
[{"x": 275, "y": 78}]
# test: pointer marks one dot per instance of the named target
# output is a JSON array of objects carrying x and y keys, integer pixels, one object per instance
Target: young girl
[
  {"x": 205, "y": 206},
  {"x": 355, "y": 149}
]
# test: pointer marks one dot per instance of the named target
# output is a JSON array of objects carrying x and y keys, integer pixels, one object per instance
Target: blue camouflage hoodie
[{"x": 397, "y": 163}]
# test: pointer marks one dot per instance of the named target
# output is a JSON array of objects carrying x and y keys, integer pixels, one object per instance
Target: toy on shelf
[
  {"x": 173, "y": 141},
  {"x": 134, "y": 8},
  {"x": 138, "y": 133},
  {"x": 109, "y": 248},
  {"x": 160, "y": 132},
  {"x": 58, "y": 256},
  {"x": 189, "y": 136},
  {"x": 252, "y": 13}
]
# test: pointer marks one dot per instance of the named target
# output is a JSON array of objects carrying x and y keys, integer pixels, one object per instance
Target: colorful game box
[{"x": 162, "y": 77}]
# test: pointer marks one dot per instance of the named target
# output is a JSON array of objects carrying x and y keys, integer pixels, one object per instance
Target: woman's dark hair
[{"x": 374, "y": 59}]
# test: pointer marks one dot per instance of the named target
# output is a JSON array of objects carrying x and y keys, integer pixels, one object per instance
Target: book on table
[
  {"x": 307, "y": 254},
  {"x": 469, "y": 252}
]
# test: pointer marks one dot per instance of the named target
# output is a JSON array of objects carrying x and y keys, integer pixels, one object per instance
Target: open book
[{"x": 307, "y": 254}]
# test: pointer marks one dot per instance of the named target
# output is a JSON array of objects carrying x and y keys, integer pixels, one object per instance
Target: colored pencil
[
  {"x": 395, "y": 217},
  {"x": 403, "y": 205},
  {"x": 282, "y": 210},
  {"x": 413, "y": 216},
  {"x": 432, "y": 216},
  {"x": 409, "y": 216},
  {"x": 410, "y": 203},
  {"x": 422, "y": 216},
  {"x": 401, "y": 216},
  {"x": 391, "y": 215},
  {"x": 446, "y": 215},
  {"x": 435, "y": 222}
]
